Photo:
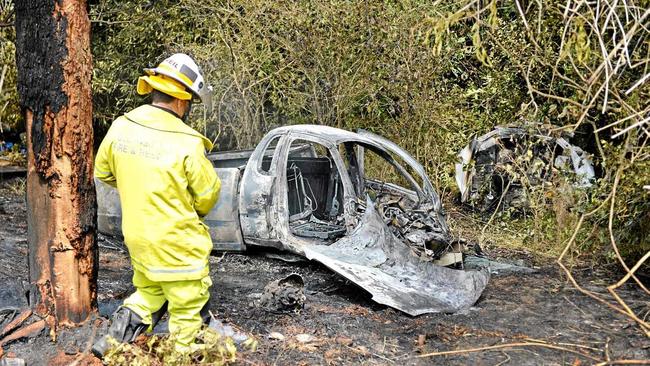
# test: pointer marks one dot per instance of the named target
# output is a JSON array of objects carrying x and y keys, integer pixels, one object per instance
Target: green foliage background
[
  {"x": 427, "y": 74},
  {"x": 384, "y": 66},
  {"x": 10, "y": 117}
]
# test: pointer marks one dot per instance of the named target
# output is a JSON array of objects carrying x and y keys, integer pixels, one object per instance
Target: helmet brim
[{"x": 146, "y": 84}]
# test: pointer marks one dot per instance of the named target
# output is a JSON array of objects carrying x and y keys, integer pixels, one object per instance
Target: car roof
[{"x": 335, "y": 135}]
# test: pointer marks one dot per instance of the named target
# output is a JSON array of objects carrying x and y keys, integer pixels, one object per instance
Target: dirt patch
[
  {"x": 61, "y": 359},
  {"x": 340, "y": 324}
]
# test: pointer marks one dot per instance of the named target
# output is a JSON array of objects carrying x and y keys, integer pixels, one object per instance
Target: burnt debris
[{"x": 285, "y": 295}]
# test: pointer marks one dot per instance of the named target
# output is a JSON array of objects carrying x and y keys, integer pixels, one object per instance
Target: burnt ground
[{"x": 347, "y": 327}]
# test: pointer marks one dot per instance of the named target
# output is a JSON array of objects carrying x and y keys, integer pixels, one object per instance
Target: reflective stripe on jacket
[{"x": 166, "y": 184}]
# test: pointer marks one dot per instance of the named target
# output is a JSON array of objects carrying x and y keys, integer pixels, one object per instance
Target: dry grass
[{"x": 15, "y": 186}]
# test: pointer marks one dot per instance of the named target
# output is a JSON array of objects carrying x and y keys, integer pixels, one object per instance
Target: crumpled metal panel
[{"x": 374, "y": 259}]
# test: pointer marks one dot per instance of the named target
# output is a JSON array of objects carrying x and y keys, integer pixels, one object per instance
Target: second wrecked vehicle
[
  {"x": 500, "y": 168},
  {"x": 310, "y": 190}
]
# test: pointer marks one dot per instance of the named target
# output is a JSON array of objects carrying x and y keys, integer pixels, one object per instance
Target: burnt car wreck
[
  {"x": 499, "y": 169},
  {"x": 309, "y": 190}
]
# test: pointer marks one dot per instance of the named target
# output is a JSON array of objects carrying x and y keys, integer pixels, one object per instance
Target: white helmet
[{"x": 181, "y": 68}]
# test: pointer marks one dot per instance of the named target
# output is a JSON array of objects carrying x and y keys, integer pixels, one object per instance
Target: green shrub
[
  {"x": 11, "y": 120},
  {"x": 213, "y": 349}
]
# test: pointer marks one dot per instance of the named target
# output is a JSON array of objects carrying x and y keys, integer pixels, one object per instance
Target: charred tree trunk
[{"x": 54, "y": 76}]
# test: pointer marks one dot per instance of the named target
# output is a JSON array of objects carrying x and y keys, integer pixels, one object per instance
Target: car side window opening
[
  {"x": 380, "y": 173},
  {"x": 267, "y": 157},
  {"x": 314, "y": 193}
]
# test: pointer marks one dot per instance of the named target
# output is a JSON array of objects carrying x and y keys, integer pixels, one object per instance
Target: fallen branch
[
  {"x": 507, "y": 360},
  {"x": 16, "y": 322},
  {"x": 612, "y": 290},
  {"x": 533, "y": 340},
  {"x": 508, "y": 345},
  {"x": 26, "y": 331},
  {"x": 573, "y": 280},
  {"x": 599, "y": 299}
]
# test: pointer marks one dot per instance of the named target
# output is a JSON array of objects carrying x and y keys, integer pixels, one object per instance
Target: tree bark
[{"x": 54, "y": 84}]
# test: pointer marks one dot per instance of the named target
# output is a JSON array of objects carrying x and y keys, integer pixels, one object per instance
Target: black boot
[
  {"x": 205, "y": 313},
  {"x": 156, "y": 316},
  {"x": 126, "y": 325}
]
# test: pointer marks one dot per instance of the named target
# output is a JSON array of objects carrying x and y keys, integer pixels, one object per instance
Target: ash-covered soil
[{"x": 344, "y": 326}]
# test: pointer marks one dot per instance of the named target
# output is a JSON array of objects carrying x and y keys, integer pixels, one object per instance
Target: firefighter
[{"x": 166, "y": 185}]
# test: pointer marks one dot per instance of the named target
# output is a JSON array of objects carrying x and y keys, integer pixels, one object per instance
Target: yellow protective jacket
[{"x": 166, "y": 184}]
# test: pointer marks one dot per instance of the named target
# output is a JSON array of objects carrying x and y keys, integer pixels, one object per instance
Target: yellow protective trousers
[{"x": 185, "y": 301}]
